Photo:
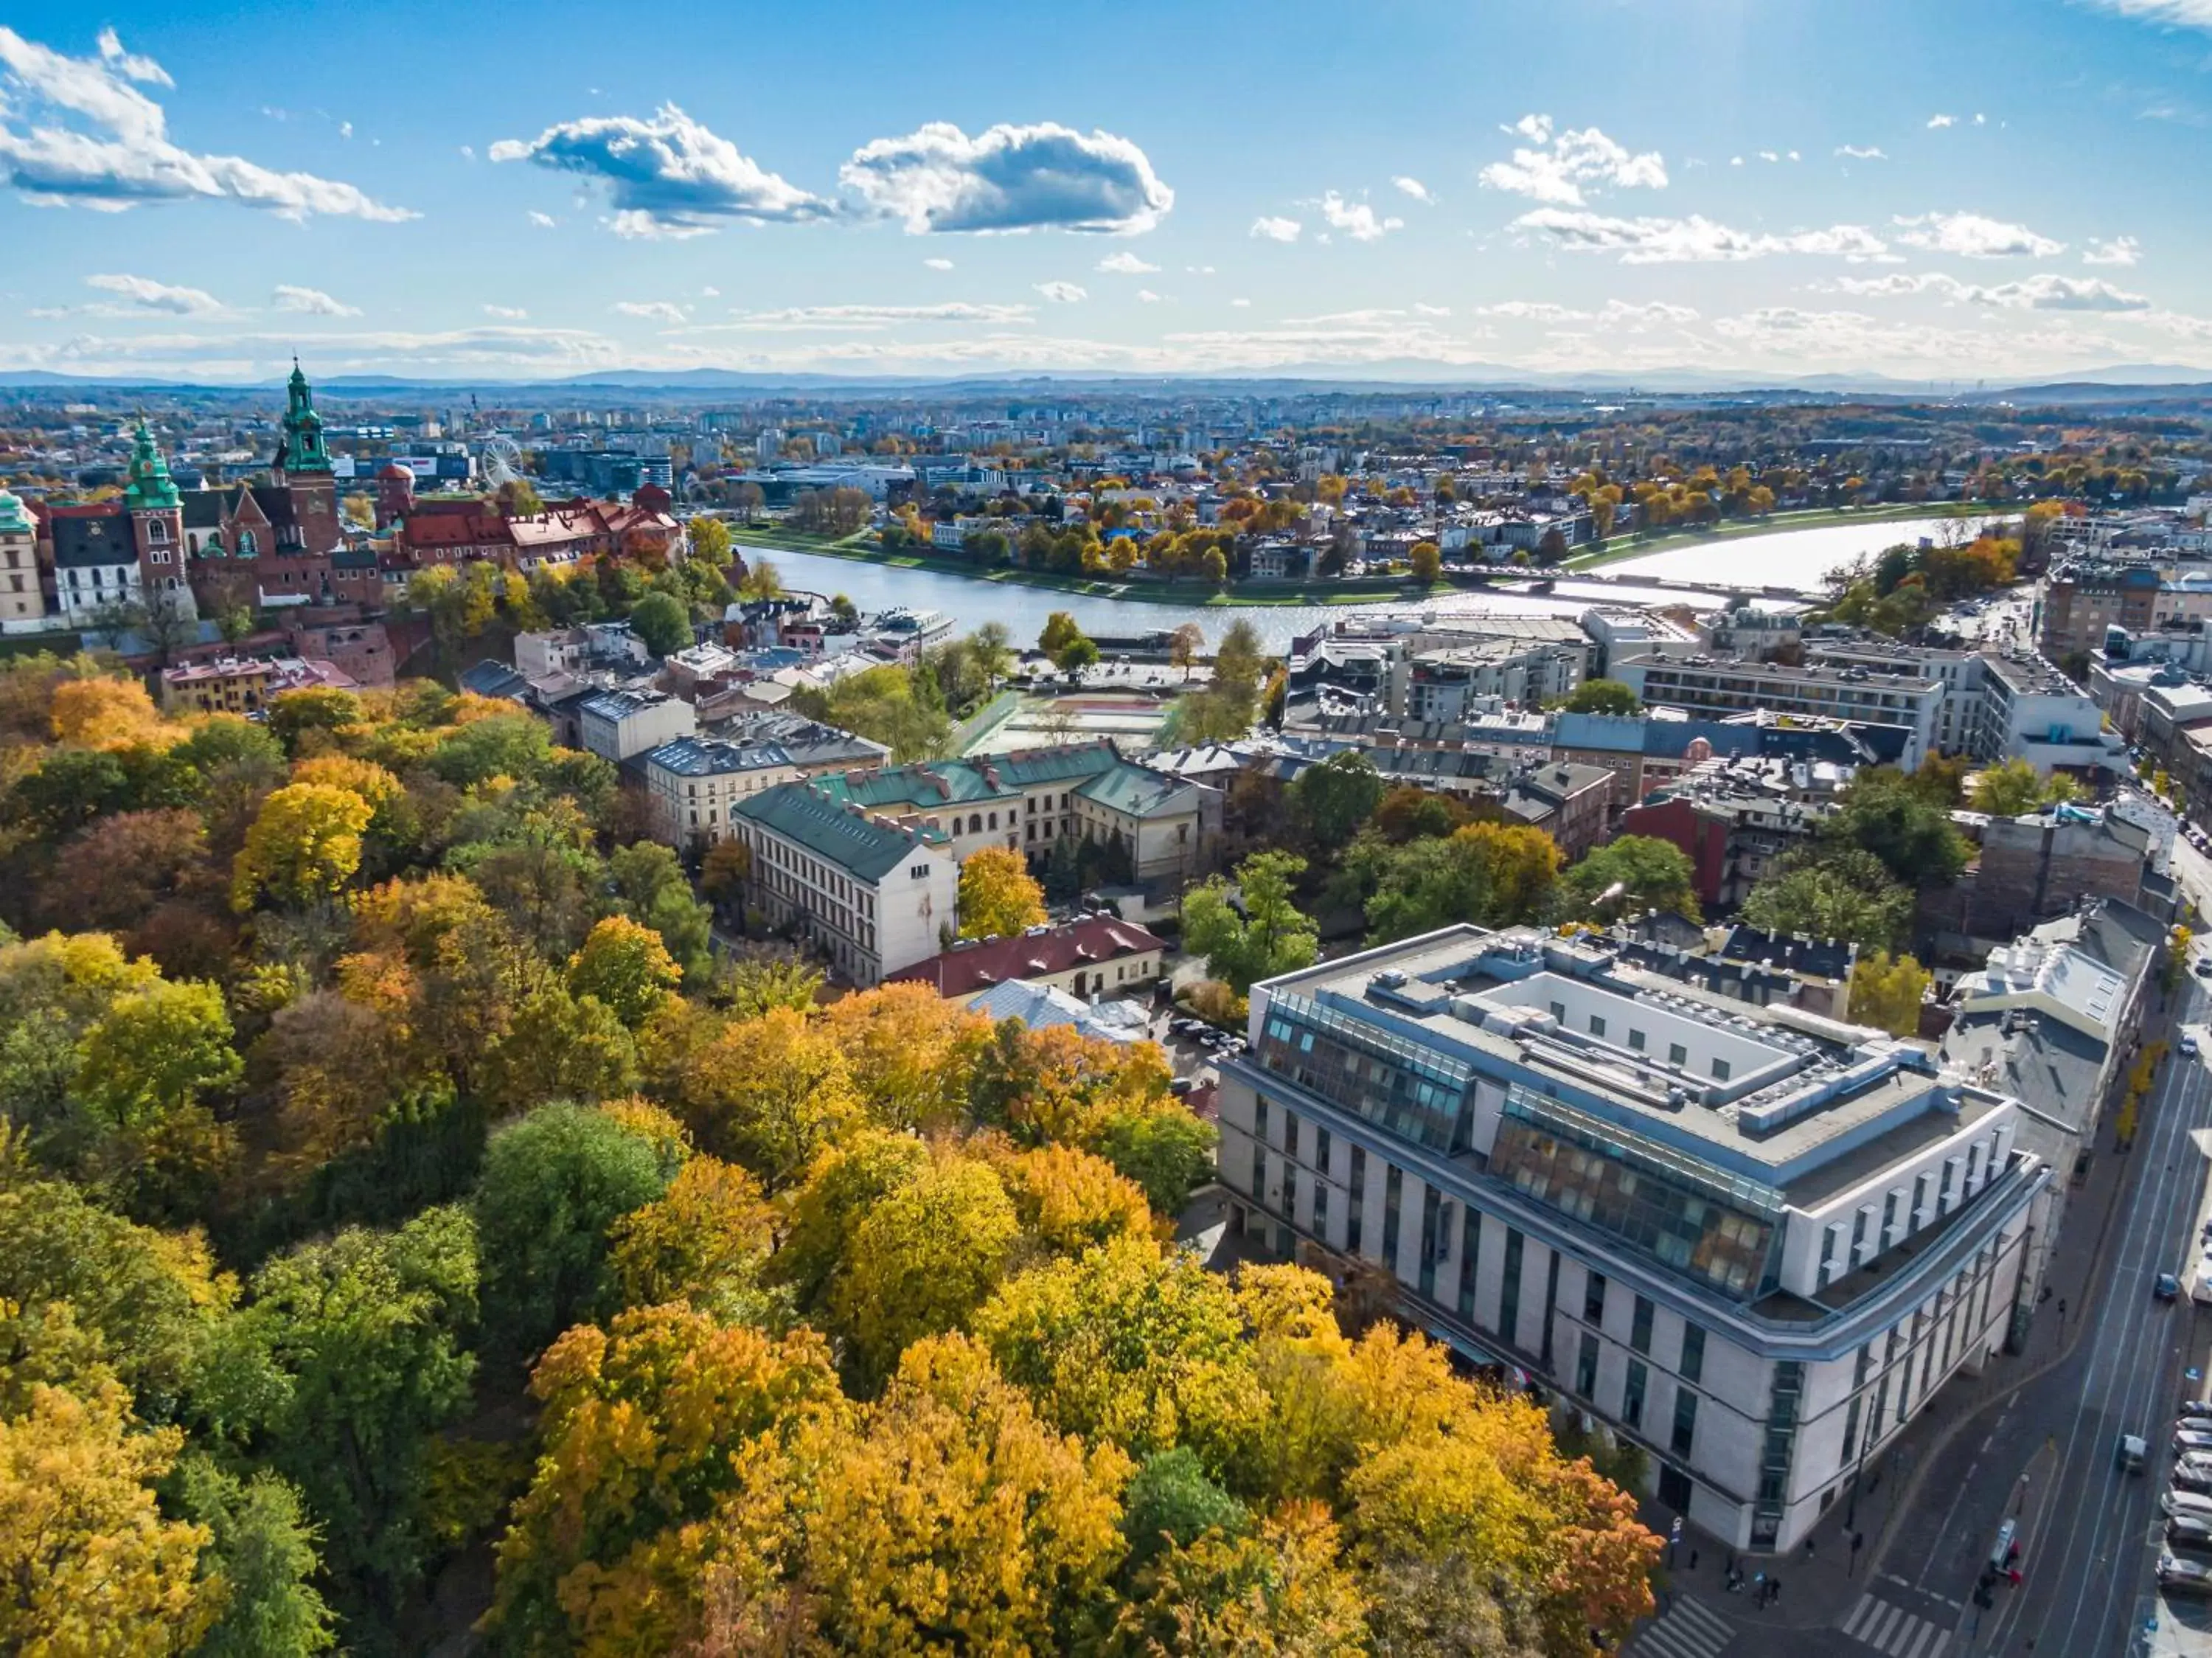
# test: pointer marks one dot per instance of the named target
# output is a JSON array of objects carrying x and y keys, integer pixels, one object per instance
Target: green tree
[
  {"x": 1171, "y": 1504},
  {"x": 662, "y": 623},
  {"x": 1162, "y": 1146},
  {"x": 1883, "y": 811},
  {"x": 750, "y": 986},
  {"x": 1633, "y": 873},
  {"x": 262, "y": 1548},
  {"x": 1602, "y": 696},
  {"x": 559, "y": 1046},
  {"x": 365, "y": 1340},
  {"x": 1268, "y": 937},
  {"x": 710, "y": 540},
  {"x": 655, "y": 890},
  {"x": 1840, "y": 892},
  {"x": 553, "y": 1185},
  {"x": 1330, "y": 801},
  {"x": 157, "y": 1052}
]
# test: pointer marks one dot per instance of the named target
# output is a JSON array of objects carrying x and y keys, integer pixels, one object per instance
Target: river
[
  {"x": 1790, "y": 559},
  {"x": 1786, "y": 558},
  {"x": 970, "y": 602}
]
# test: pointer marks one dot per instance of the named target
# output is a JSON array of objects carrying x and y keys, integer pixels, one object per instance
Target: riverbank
[{"x": 1619, "y": 550}]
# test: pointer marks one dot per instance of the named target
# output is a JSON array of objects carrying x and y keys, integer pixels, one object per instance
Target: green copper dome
[
  {"x": 15, "y": 517},
  {"x": 150, "y": 489}
]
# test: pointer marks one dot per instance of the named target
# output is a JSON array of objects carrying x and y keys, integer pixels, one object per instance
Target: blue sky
[{"x": 1932, "y": 189}]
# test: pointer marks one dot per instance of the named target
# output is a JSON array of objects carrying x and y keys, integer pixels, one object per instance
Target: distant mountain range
[{"x": 2164, "y": 383}]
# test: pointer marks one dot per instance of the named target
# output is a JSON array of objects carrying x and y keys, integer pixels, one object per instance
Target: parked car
[
  {"x": 2193, "y": 1437},
  {"x": 2165, "y": 1287},
  {"x": 2189, "y": 1535},
  {"x": 2185, "y": 1575},
  {"x": 2194, "y": 1504},
  {"x": 2188, "y": 1046},
  {"x": 2196, "y": 1409},
  {"x": 2193, "y": 1473}
]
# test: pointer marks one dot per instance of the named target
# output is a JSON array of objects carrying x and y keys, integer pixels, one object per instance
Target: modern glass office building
[{"x": 1753, "y": 1241}]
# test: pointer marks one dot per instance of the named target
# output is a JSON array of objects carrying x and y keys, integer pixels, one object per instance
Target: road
[{"x": 2046, "y": 1453}]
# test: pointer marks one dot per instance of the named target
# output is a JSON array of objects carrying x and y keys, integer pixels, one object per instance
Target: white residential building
[{"x": 874, "y": 895}]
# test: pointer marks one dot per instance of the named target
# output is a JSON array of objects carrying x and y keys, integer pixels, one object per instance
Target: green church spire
[
  {"x": 150, "y": 489},
  {"x": 304, "y": 451}
]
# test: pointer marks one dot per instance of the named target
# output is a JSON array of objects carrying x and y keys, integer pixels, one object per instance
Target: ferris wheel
[{"x": 502, "y": 460}]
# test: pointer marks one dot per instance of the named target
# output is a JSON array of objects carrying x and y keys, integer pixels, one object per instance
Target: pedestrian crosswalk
[
  {"x": 1688, "y": 1631},
  {"x": 1893, "y": 1630}
]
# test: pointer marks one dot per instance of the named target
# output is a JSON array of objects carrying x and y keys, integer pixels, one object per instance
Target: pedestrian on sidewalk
[
  {"x": 1808, "y": 1548},
  {"x": 1693, "y": 1560},
  {"x": 1773, "y": 1590}
]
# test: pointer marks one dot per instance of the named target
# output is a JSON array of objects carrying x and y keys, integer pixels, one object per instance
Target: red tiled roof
[{"x": 970, "y": 967}]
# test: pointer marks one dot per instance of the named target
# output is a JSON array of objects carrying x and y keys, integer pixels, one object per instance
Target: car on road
[
  {"x": 2128, "y": 1454},
  {"x": 2165, "y": 1287},
  {"x": 2188, "y": 1046},
  {"x": 2196, "y": 1505},
  {"x": 2185, "y": 1575}
]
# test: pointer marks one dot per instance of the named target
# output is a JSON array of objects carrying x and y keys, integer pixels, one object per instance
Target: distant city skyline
[{"x": 1772, "y": 188}]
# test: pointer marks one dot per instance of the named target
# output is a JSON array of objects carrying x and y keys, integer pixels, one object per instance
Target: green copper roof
[
  {"x": 304, "y": 451},
  {"x": 15, "y": 517},
  {"x": 150, "y": 489}
]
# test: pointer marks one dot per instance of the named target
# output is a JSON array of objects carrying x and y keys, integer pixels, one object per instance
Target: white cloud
[
  {"x": 1614, "y": 314},
  {"x": 867, "y": 319},
  {"x": 2121, "y": 250},
  {"x": 509, "y": 313},
  {"x": 1421, "y": 310},
  {"x": 1126, "y": 264},
  {"x": 118, "y": 155},
  {"x": 1148, "y": 297},
  {"x": 666, "y": 177},
  {"x": 2187, "y": 14},
  {"x": 710, "y": 292},
  {"x": 469, "y": 153},
  {"x": 1795, "y": 156},
  {"x": 938, "y": 264},
  {"x": 1861, "y": 152},
  {"x": 1009, "y": 178},
  {"x": 1198, "y": 270},
  {"x": 127, "y": 65},
  {"x": 655, "y": 310},
  {"x": 145, "y": 294},
  {"x": 1736, "y": 161},
  {"x": 1937, "y": 122},
  {"x": 1558, "y": 171},
  {"x": 1241, "y": 304},
  {"x": 1415, "y": 188},
  {"x": 1973, "y": 236},
  {"x": 345, "y": 129},
  {"x": 2045, "y": 291},
  {"x": 312, "y": 302},
  {"x": 542, "y": 221},
  {"x": 1694, "y": 240},
  {"x": 1062, "y": 292},
  {"x": 1276, "y": 229},
  {"x": 1980, "y": 119},
  {"x": 1768, "y": 156},
  {"x": 1356, "y": 219}
]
